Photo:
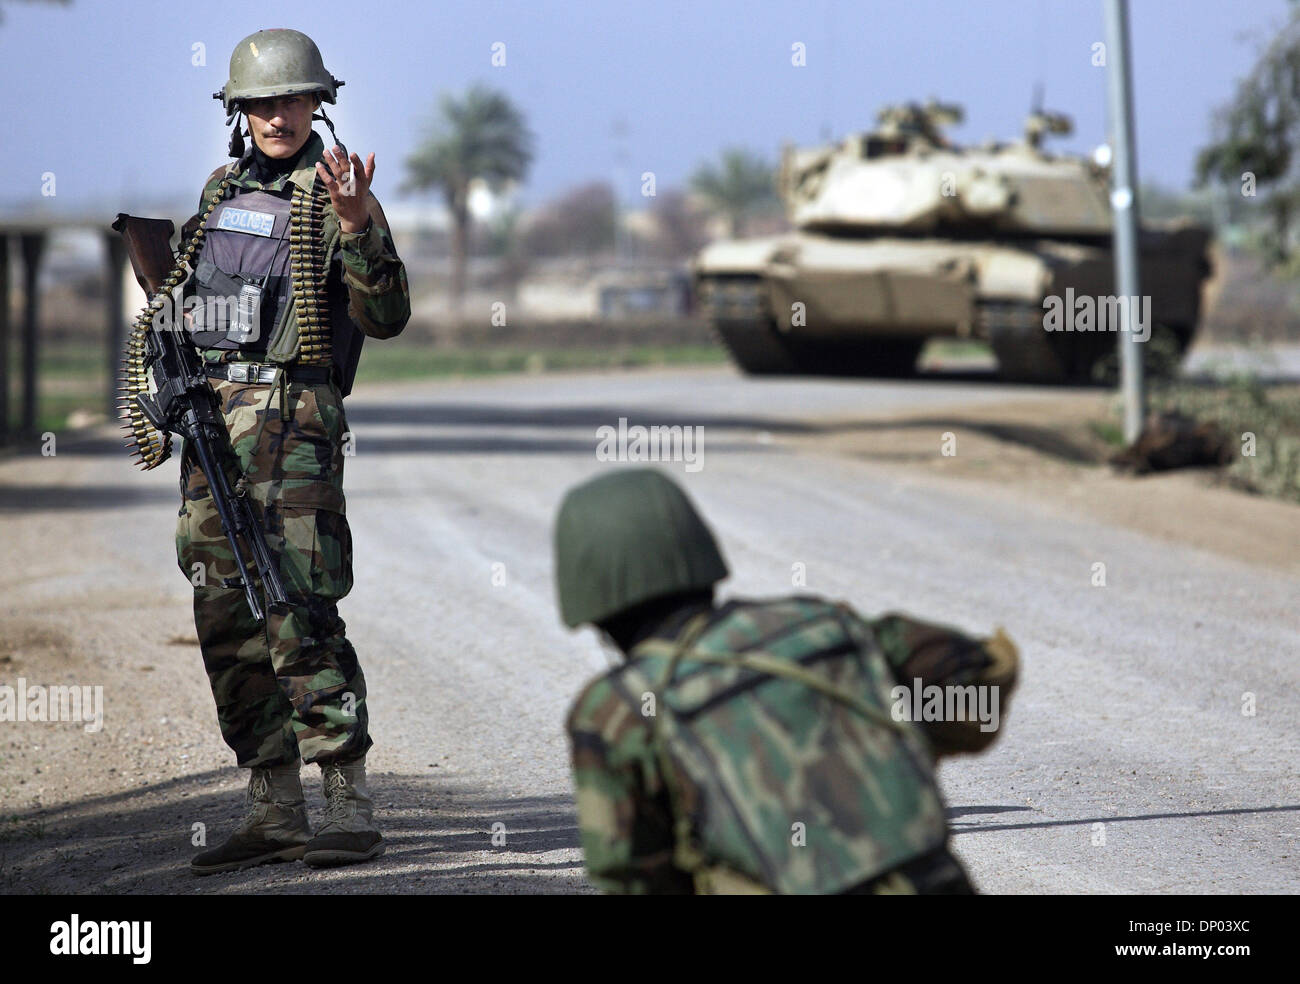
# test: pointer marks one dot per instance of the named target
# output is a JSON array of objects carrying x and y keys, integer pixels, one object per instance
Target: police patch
[{"x": 244, "y": 220}]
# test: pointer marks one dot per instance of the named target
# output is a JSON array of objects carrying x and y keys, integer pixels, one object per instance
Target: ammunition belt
[
  {"x": 307, "y": 256},
  {"x": 150, "y": 447},
  {"x": 307, "y": 266}
]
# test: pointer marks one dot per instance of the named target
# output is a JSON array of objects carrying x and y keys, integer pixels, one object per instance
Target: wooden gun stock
[{"x": 148, "y": 246}]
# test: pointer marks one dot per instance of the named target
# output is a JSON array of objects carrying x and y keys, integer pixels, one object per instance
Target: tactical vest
[
  {"x": 246, "y": 251},
  {"x": 776, "y": 717},
  {"x": 307, "y": 323}
]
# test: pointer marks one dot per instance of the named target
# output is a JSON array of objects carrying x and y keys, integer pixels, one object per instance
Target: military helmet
[
  {"x": 627, "y": 538},
  {"x": 276, "y": 62}
]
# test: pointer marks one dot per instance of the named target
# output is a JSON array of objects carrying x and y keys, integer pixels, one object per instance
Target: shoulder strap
[
  {"x": 761, "y": 663},
  {"x": 686, "y": 854}
]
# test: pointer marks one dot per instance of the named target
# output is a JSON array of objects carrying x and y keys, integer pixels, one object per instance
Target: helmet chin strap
[
  {"x": 320, "y": 115},
  {"x": 237, "y": 137}
]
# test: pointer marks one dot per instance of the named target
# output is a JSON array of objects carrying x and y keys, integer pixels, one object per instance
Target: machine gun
[{"x": 166, "y": 391}]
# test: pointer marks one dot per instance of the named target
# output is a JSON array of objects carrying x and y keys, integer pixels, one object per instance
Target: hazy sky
[{"x": 105, "y": 95}]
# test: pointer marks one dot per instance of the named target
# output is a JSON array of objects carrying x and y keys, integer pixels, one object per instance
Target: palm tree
[
  {"x": 743, "y": 185},
  {"x": 481, "y": 136}
]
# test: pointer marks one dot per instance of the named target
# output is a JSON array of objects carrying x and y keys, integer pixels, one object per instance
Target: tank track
[
  {"x": 759, "y": 349},
  {"x": 738, "y": 315},
  {"x": 756, "y": 347},
  {"x": 1027, "y": 353},
  {"x": 737, "y": 312}
]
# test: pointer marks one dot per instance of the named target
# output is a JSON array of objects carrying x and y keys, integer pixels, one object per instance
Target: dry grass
[{"x": 1243, "y": 407}]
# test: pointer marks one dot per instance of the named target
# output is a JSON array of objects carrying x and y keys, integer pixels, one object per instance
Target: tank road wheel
[
  {"x": 1026, "y": 356},
  {"x": 756, "y": 346},
  {"x": 1025, "y": 351},
  {"x": 890, "y": 358}
]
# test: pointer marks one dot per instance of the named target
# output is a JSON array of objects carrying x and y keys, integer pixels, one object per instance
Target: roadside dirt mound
[{"x": 1054, "y": 451}]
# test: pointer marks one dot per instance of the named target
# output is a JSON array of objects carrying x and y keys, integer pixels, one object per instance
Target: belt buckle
[{"x": 237, "y": 372}]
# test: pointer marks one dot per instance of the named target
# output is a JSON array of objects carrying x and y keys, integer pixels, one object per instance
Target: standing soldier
[
  {"x": 752, "y": 746},
  {"x": 293, "y": 265}
]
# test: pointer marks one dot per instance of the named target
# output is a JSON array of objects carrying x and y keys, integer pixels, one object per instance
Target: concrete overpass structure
[{"x": 27, "y": 239}]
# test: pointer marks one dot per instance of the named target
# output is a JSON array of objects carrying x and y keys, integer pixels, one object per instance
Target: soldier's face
[{"x": 281, "y": 125}]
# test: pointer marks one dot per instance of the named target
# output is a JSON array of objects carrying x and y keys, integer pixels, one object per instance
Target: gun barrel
[
  {"x": 183, "y": 403},
  {"x": 238, "y": 523},
  {"x": 267, "y": 570}
]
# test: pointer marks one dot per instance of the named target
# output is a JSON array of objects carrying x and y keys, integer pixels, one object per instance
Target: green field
[
  {"x": 70, "y": 378},
  {"x": 382, "y": 362}
]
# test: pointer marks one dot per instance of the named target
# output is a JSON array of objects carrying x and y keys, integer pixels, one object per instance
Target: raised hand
[{"x": 348, "y": 182}]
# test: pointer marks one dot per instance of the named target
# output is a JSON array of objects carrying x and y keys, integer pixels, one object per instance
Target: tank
[{"x": 900, "y": 236}]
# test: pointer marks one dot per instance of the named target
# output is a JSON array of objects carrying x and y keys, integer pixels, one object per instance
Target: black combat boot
[{"x": 276, "y": 828}]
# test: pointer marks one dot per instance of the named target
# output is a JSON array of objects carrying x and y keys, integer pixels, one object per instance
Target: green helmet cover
[
  {"x": 276, "y": 62},
  {"x": 626, "y": 538}
]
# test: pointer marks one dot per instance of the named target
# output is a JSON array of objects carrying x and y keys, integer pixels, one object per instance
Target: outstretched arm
[
  {"x": 937, "y": 655},
  {"x": 379, "y": 300}
]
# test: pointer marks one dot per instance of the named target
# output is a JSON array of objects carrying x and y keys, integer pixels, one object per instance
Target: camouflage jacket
[
  {"x": 625, "y": 813},
  {"x": 378, "y": 297},
  {"x": 288, "y": 440}
]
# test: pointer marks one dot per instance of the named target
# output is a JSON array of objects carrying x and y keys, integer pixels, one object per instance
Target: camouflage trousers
[{"x": 292, "y": 686}]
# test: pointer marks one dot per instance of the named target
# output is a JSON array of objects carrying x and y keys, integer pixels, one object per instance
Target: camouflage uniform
[
  {"x": 292, "y": 686},
  {"x": 625, "y": 813},
  {"x": 734, "y": 737}
]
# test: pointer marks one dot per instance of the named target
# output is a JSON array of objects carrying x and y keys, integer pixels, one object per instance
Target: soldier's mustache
[{"x": 277, "y": 133}]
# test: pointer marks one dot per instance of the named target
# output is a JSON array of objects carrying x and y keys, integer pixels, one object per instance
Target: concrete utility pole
[{"x": 1123, "y": 199}]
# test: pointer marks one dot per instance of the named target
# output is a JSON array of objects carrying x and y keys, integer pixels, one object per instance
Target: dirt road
[{"x": 1128, "y": 764}]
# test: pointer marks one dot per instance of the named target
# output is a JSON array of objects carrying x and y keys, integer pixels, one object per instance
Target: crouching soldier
[{"x": 753, "y": 746}]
